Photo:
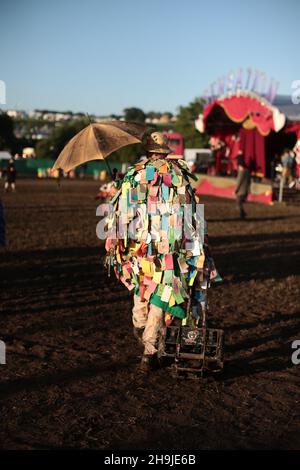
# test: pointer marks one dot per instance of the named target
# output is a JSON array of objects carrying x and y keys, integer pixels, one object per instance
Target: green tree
[
  {"x": 134, "y": 114},
  {"x": 53, "y": 145},
  {"x": 185, "y": 124},
  {"x": 129, "y": 154},
  {"x": 153, "y": 115},
  {"x": 7, "y": 136}
]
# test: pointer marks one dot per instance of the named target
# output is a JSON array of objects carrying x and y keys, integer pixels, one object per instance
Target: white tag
[
  {"x": 135, "y": 268},
  {"x": 148, "y": 239},
  {"x": 196, "y": 248},
  {"x": 166, "y": 294}
]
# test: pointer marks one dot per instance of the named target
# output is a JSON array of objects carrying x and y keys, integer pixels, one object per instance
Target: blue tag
[
  {"x": 165, "y": 222},
  {"x": 150, "y": 170},
  {"x": 165, "y": 192}
]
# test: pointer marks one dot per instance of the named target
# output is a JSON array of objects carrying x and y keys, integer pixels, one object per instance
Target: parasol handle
[{"x": 109, "y": 169}]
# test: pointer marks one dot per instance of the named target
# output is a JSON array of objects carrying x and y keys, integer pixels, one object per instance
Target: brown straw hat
[{"x": 156, "y": 142}]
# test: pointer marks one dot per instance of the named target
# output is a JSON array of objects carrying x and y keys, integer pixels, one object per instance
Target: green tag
[
  {"x": 178, "y": 297},
  {"x": 171, "y": 235},
  {"x": 160, "y": 289},
  {"x": 168, "y": 276},
  {"x": 175, "y": 179}
]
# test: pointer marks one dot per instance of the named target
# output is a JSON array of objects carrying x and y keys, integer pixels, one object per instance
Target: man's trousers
[{"x": 150, "y": 318}]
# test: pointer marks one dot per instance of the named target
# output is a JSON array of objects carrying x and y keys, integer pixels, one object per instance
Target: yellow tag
[
  {"x": 147, "y": 267},
  {"x": 171, "y": 301},
  {"x": 157, "y": 277},
  {"x": 200, "y": 261},
  {"x": 191, "y": 282},
  {"x": 125, "y": 187}
]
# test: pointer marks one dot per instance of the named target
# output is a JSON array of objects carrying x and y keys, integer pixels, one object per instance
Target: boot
[{"x": 148, "y": 362}]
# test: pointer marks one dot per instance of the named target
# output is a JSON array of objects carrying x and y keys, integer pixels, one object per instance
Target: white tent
[{"x": 4, "y": 155}]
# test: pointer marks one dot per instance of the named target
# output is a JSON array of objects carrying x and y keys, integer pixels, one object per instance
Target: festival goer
[
  {"x": 242, "y": 185},
  {"x": 220, "y": 152},
  {"x": 106, "y": 191},
  {"x": 10, "y": 176},
  {"x": 151, "y": 253},
  {"x": 288, "y": 162}
]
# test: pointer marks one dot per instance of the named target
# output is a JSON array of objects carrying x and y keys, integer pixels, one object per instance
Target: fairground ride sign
[{"x": 252, "y": 80}]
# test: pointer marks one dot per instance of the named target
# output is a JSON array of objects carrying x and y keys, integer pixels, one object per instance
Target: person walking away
[
  {"x": 287, "y": 161},
  {"x": 242, "y": 185},
  {"x": 293, "y": 169},
  {"x": 149, "y": 254},
  {"x": 11, "y": 174}
]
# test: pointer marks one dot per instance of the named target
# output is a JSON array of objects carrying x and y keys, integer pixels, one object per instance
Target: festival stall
[
  {"x": 225, "y": 187},
  {"x": 247, "y": 122}
]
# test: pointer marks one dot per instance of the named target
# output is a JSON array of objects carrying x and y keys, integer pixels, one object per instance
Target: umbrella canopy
[{"x": 97, "y": 141}]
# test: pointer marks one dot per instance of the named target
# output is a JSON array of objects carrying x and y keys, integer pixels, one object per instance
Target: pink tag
[
  {"x": 167, "y": 179},
  {"x": 143, "y": 177},
  {"x": 151, "y": 287},
  {"x": 153, "y": 191},
  {"x": 154, "y": 178},
  {"x": 147, "y": 280},
  {"x": 169, "y": 261}
]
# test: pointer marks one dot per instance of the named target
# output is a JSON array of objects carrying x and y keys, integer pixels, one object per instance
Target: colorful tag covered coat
[{"x": 157, "y": 235}]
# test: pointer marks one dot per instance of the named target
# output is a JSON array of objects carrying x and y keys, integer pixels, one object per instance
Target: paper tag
[
  {"x": 135, "y": 269},
  {"x": 167, "y": 179},
  {"x": 200, "y": 261},
  {"x": 148, "y": 239},
  {"x": 143, "y": 177},
  {"x": 165, "y": 222},
  {"x": 165, "y": 192},
  {"x": 163, "y": 208},
  {"x": 150, "y": 173},
  {"x": 151, "y": 287},
  {"x": 155, "y": 222},
  {"x": 146, "y": 267},
  {"x": 178, "y": 297},
  {"x": 157, "y": 277},
  {"x": 164, "y": 168},
  {"x": 171, "y": 301},
  {"x": 166, "y": 294},
  {"x": 163, "y": 247},
  {"x": 196, "y": 248},
  {"x": 169, "y": 261},
  {"x": 168, "y": 276},
  {"x": 153, "y": 191},
  {"x": 183, "y": 265}
]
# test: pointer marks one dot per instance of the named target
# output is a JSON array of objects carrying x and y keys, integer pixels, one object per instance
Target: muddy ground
[{"x": 70, "y": 379}]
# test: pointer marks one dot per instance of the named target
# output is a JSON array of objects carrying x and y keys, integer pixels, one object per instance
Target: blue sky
[{"x": 102, "y": 56}]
